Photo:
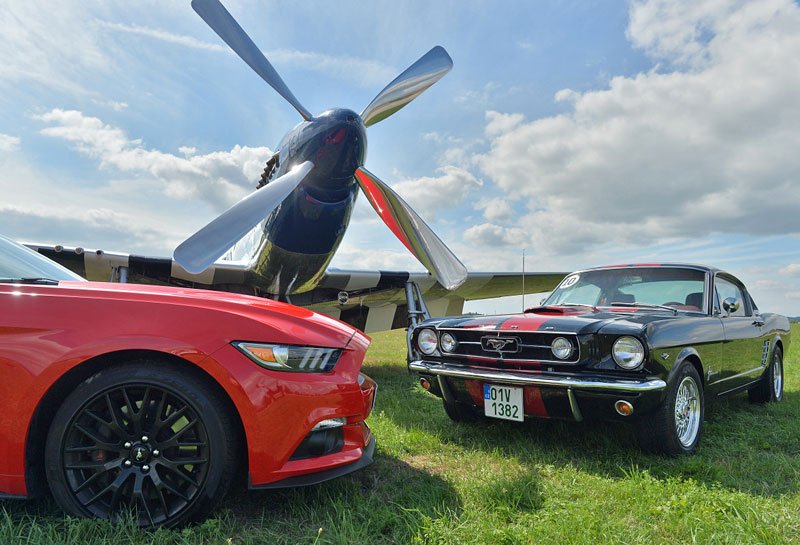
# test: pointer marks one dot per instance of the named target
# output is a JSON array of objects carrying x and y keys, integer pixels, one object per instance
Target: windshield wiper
[
  {"x": 30, "y": 280},
  {"x": 644, "y": 305}
]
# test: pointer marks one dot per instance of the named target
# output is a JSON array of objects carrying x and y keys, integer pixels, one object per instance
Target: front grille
[{"x": 511, "y": 346}]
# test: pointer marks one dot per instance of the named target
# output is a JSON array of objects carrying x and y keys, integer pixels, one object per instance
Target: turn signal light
[
  {"x": 426, "y": 385},
  {"x": 623, "y": 408}
]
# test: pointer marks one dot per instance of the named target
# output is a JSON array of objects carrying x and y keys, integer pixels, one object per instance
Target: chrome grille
[{"x": 513, "y": 346}]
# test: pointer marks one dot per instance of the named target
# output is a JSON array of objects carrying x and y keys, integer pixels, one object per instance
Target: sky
[{"x": 581, "y": 132}]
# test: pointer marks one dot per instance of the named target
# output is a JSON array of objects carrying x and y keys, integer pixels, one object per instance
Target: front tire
[
  {"x": 769, "y": 388},
  {"x": 144, "y": 437},
  {"x": 676, "y": 425}
]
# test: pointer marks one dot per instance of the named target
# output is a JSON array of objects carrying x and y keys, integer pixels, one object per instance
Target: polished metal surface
[
  {"x": 217, "y": 17},
  {"x": 573, "y": 406},
  {"x": 777, "y": 377},
  {"x": 409, "y": 85},
  {"x": 557, "y": 381},
  {"x": 412, "y": 231},
  {"x": 200, "y": 250},
  {"x": 687, "y": 411}
]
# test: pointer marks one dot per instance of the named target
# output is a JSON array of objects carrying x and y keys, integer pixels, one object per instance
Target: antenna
[{"x": 523, "y": 280}]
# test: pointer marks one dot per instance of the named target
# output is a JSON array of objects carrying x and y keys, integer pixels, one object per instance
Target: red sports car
[{"x": 153, "y": 399}]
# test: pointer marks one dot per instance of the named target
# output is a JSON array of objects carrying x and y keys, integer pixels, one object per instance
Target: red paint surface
[
  {"x": 382, "y": 207},
  {"x": 46, "y": 331}
]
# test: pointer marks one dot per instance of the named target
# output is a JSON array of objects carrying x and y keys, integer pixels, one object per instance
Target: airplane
[{"x": 279, "y": 240}]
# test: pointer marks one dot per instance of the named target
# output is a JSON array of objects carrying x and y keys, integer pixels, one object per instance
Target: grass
[{"x": 539, "y": 482}]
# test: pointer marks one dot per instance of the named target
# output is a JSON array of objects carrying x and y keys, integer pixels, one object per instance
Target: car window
[
  {"x": 726, "y": 289},
  {"x": 17, "y": 261},
  {"x": 680, "y": 288}
]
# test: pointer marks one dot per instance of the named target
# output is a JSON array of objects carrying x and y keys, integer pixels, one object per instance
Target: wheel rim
[
  {"x": 687, "y": 411},
  {"x": 777, "y": 377},
  {"x": 139, "y": 448}
]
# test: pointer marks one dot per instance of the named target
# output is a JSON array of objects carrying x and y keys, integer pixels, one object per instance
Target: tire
[
  {"x": 460, "y": 412},
  {"x": 769, "y": 388},
  {"x": 171, "y": 464},
  {"x": 676, "y": 425}
]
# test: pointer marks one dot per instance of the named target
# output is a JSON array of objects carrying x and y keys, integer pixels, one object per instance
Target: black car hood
[{"x": 565, "y": 320}]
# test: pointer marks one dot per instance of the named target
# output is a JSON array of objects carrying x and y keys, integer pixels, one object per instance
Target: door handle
[{"x": 758, "y": 322}]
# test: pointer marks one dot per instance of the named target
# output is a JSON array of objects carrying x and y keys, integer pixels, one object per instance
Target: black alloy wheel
[
  {"x": 143, "y": 438},
  {"x": 675, "y": 427},
  {"x": 769, "y": 388}
]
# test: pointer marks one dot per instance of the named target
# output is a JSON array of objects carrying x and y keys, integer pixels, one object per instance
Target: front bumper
[{"x": 547, "y": 394}]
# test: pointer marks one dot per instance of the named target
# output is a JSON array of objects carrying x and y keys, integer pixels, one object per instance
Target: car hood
[
  {"x": 305, "y": 325},
  {"x": 561, "y": 319}
]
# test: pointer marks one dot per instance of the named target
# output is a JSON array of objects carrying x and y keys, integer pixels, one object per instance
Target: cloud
[
  {"x": 495, "y": 209},
  {"x": 709, "y": 147},
  {"x": 365, "y": 72},
  {"x": 219, "y": 178},
  {"x": 429, "y": 194},
  {"x": 8, "y": 142},
  {"x": 490, "y": 235},
  {"x": 792, "y": 269}
]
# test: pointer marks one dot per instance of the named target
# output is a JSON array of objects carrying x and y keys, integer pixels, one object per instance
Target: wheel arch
[
  {"x": 58, "y": 391},
  {"x": 690, "y": 356}
]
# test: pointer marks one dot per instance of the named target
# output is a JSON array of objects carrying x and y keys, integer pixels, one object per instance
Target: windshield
[
  {"x": 678, "y": 288},
  {"x": 20, "y": 263}
]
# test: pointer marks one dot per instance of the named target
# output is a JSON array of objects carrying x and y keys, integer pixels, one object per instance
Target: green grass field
[{"x": 539, "y": 482}]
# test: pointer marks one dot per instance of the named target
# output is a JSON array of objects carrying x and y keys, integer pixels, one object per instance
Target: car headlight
[
  {"x": 628, "y": 352},
  {"x": 561, "y": 348},
  {"x": 448, "y": 342},
  {"x": 282, "y": 357},
  {"x": 427, "y": 341}
]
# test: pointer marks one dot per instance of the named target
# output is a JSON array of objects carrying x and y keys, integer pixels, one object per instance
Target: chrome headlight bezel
[
  {"x": 561, "y": 352},
  {"x": 628, "y": 352},
  {"x": 447, "y": 342},
  {"x": 427, "y": 341}
]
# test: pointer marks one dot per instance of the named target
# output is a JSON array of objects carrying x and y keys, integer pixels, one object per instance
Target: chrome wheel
[
  {"x": 687, "y": 411},
  {"x": 137, "y": 447},
  {"x": 777, "y": 376}
]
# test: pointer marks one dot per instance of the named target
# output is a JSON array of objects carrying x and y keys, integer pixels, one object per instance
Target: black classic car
[{"x": 648, "y": 343}]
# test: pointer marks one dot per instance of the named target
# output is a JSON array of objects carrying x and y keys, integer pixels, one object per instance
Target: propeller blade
[
  {"x": 217, "y": 17},
  {"x": 412, "y": 231},
  {"x": 199, "y": 251},
  {"x": 409, "y": 85}
]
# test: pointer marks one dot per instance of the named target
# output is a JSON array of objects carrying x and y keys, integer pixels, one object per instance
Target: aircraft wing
[{"x": 369, "y": 300}]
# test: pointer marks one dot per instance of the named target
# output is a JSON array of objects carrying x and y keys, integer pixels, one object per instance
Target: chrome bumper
[{"x": 631, "y": 386}]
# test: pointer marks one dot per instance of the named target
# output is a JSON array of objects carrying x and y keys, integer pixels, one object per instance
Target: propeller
[
  {"x": 429, "y": 69},
  {"x": 412, "y": 231},
  {"x": 199, "y": 251},
  {"x": 217, "y": 17}
]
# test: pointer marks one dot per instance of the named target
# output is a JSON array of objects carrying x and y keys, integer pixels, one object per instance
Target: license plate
[{"x": 503, "y": 402}]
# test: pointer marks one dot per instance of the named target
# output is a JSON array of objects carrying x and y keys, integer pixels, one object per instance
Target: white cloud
[
  {"x": 8, "y": 142},
  {"x": 709, "y": 148},
  {"x": 495, "y": 209},
  {"x": 219, "y": 178},
  {"x": 490, "y": 235},
  {"x": 366, "y": 72},
  {"x": 429, "y": 194},
  {"x": 793, "y": 269}
]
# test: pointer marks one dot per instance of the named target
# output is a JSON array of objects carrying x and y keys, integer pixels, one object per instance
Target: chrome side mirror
[{"x": 730, "y": 305}]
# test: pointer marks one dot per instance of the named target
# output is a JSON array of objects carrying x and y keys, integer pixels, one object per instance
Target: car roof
[{"x": 693, "y": 266}]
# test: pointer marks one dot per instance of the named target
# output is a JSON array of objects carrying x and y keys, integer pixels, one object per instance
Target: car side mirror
[{"x": 730, "y": 305}]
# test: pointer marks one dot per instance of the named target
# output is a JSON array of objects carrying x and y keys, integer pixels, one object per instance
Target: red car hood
[{"x": 255, "y": 308}]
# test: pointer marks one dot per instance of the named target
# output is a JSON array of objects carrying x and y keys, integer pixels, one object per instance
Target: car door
[{"x": 741, "y": 355}]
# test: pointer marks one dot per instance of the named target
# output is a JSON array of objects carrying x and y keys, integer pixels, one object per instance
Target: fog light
[
  {"x": 426, "y": 385},
  {"x": 623, "y": 408},
  {"x": 337, "y": 422}
]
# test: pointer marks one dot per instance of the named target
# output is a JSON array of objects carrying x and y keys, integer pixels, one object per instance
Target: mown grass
[{"x": 540, "y": 482}]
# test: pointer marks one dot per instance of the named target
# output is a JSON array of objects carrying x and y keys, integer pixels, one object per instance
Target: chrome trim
[
  {"x": 500, "y": 332},
  {"x": 633, "y": 386},
  {"x": 739, "y": 375},
  {"x": 573, "y": 405}
]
